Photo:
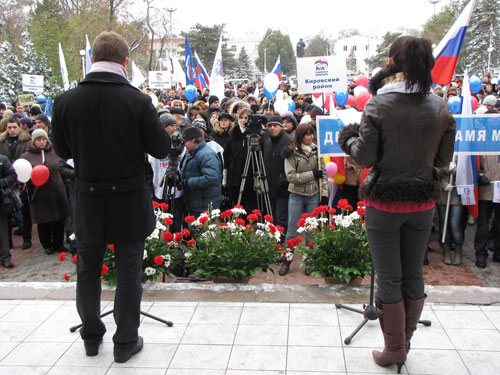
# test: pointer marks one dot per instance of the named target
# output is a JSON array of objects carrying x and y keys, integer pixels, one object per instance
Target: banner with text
[
  {"x": 160, "y": 79},
  {"x": 475, "y": 135},
  {"x": 32, "y": 83},
  {"x": 321, "y": 74}
]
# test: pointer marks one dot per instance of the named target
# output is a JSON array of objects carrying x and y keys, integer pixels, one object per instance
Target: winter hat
[
  {"x": 290, "y": 117},
  {"x": 199, "y": 122},
  {"x": 490, "y": 100},
  {"x": 18, "y": 116},
  {"x": 3, "y": 106},
  {"x": 177, "y": 111},
  {"x": 267, "y": 105},
  {"x": 26, "y": 120},
  {"x": 316, "y": 111},
  {"x": 275, "y": 119},
  {"x": 43, "y": 119},
  {"x": 38, "y": 133},
  {"x": 8, "y": 114},
  {"x": 163, "y": 110},
  {"x": 191, "y": 133},
  {"x": 226, "y": 115},
  {"x": 167, "y": 119},
  {"x": 212, "y": 99}
]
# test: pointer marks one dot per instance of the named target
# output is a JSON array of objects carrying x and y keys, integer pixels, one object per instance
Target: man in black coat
[{"x": 106, "y": 125}]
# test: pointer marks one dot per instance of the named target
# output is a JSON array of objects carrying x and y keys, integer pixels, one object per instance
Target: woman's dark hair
[
  {"x": 411, "y": 56},
  {"x": 301, "y": 131}
]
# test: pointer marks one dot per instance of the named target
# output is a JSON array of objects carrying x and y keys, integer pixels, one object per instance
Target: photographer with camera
[{"x": 200, "y": 173}]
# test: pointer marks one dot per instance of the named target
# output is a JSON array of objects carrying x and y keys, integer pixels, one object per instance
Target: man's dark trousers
[{"x": 128, "y": 291}]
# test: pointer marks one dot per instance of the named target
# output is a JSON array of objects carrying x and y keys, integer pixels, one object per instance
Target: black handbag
[{"x": 9, "y": 202}]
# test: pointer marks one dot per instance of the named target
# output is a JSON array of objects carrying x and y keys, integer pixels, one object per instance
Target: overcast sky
[{"x": 300, "y": 19}]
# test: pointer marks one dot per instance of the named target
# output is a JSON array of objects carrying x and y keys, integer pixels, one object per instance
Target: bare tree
[{"x": 157, "y": 22}]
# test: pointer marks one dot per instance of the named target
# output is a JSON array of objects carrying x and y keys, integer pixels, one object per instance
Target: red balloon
[
  {"x": 327, "y": 100},
  {"x": 361, "y": 100},
  {"x": 362, "y": 81},
  {"x": 474, "y": 103},
  {"x": 40, "y": 175},
  {"x": 317, "y": 95},
  {"x": 351, "y": 100}
]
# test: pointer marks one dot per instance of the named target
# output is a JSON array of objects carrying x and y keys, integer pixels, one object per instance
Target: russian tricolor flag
[
  {"x": 447, "y": 52},
  {"x": 277, "y": 68},
  {"x": 202, "y": 80}
]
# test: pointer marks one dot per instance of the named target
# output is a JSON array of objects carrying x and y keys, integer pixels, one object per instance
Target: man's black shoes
[
  {"x": 7, "y": 263},
  {"x": 92, "y": 347},
  {"x": 122, "y": 355},
  {"x": 480, "y": 262}
]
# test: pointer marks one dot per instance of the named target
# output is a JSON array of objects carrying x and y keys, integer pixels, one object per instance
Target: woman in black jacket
[{"x": 404, "y": 133}]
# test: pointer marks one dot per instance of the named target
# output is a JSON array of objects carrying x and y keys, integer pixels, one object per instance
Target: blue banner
[
  {"x": 475, "y": 135},
  {"x": 189, "y": 65}
]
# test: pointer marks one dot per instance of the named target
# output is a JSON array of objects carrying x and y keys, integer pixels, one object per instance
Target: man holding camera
[{"x": 106, "y": 125}]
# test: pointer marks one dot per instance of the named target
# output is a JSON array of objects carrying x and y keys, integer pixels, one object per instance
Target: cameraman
[
  {"x": 165, "y": 170},
  {"x": 200, "y": 173}
]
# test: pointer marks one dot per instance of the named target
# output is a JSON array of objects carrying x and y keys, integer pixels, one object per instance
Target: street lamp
[
  {"x": 434, "y": 2},
  {"x": 82, "y": 54}
]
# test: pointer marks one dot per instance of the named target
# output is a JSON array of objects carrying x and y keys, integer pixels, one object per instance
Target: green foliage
[
  {"x": 232, "y": 250},
  {"x": 317, "y": 46},
  {"x": 276, "y": 44},
  {"x": 244, "y": 69},
  {"x": 351, "y": 62},
  {"x": 341, "y": 251},
  {"x": 380, "y": 58}
]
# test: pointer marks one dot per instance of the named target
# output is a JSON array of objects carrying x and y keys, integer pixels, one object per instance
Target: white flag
[
  {"x": 178, "y": 75},
  {"x": 88, "y": 53},
  {"x": 64, "y": 71},
  {"x": 137, "y": 77},
  {"x": 217, "y": 76}
]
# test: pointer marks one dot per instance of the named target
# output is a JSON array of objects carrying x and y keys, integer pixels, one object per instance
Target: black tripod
[
  {"x": 369, "y": 311},
  {"x": 256, "y": 160},
  {"x": 167, "y": 322}
]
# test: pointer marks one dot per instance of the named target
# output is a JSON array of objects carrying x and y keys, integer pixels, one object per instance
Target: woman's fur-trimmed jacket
[{"x": 402, "y": 136}]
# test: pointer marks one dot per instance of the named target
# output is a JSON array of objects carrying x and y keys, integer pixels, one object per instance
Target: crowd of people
[{"x": 206, "y": 169}]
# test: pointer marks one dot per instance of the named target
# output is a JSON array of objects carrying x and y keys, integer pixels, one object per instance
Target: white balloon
[
  {"x": 359, "y": 89},
  {"x": 280, "y": 106},
  {"x": 23, "y": 169},
  {"x": 279, "y": 95},
  {"x": 154, "y": 99},
  {"x": 271, "y": 82}
]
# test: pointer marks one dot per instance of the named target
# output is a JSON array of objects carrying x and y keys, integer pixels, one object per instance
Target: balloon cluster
[{"x": 38, "y": 175}]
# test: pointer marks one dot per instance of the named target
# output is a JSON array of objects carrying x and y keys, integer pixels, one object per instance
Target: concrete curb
[{"x": 249, "y": 293}]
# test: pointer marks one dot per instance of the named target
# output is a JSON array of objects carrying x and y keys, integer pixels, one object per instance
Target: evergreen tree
[
  {"x": 350, "y": 62},
  {"x": 380, "y": 59},
  {"x": 277, "y": 44},
  {"x": 317, "y": 46},
  {"x": 31, "y": 62},
  {"x": 244, "y": 69},
  {"x": 10, "y": 75},
  {"x": 482, "y": 34}
]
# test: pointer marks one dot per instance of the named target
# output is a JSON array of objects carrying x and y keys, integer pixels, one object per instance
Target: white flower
[
  {"x": 212, "y": 226},
  {"x": 346, "y": 222},
  {"x": 301, "y": 229},
  {"x": 354, "y": 216},
  {"x": 187, "y": 254},
  {"x": 289, "y": 256},
  {"x": 238, "y": 211},
  {"x": 145, "y": 254},
  {"x": 304, "y": 256},
  {"x": 160, "y": 226},
  {"x": 149, "y": 271},
  {"x": 277, "y": 236},
  {"x": 215, "y": 213},
  {"x": 72, "y": 237}
]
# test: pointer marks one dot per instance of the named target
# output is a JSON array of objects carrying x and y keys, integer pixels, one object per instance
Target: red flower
[
  {"x": 301, "y": 223},
  {"x": 268, "y": 218},
  {"x": 164, "y": 206},
  {"x": 278, "y": 246},
  {"x": 238, "y": 206},
  {"x": 304, "y": 215},
  {"x": 156, "y": 204},
  {"x": 310, "y": 245},
  {"x": 186, "y": 233},
  {"x": 292, "y": 242},
  {"x": 205, "y": 213},
  {"x": 361, "y": 223},
  {"x": 226, "y": 214},
  {"x": 249, "y": 227},
  {"x": 191, "y": 243},
  {"x": 189, "y": 219},
  {"x": 240, "y": 222},
  {"x": 168, "y": 221},
  {"x": 75, "y": 258},
  {"x": 314, "y": 213},
  {"x": 331, "y": 211},
  {"x": 331, "y": 226},
  {"x": 361, "y": 211},
  {"x": 222, "y": 224},
  {"x": 112, "y": 247},
  {"x": 272, "y": 228},
  {"x": 62, "y": 256},
  {"x": 66, "y": 277},
  {"x": 343, "y": 203},
  {"x": 203, "y": 219},
  {"x": 348, "y": 207},
  {"x": 104, "y": 270},
  {"x": 361, "y": 204},
  {"x": 257, "y": 212},
  {"x": 322, "y": 209},
  {"x": 252, "y": 217},
  {"x": 158, "y": 260},
  {"x": 178, "y": 237},
  {"x": 168, "y": 236},
  {"x": 280, "y": 229}
]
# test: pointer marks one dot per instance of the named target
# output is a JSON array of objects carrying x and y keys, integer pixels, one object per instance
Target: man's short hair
[
  {"x": 110, "y": 46},
  {"x": 13, "y": 119}
]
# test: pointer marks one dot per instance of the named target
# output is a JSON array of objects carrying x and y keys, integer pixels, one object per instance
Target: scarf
[{"x": 109, "y": 67}]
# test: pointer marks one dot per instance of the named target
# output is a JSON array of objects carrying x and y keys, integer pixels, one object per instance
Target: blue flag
[{"x": 189, "y": 65}]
